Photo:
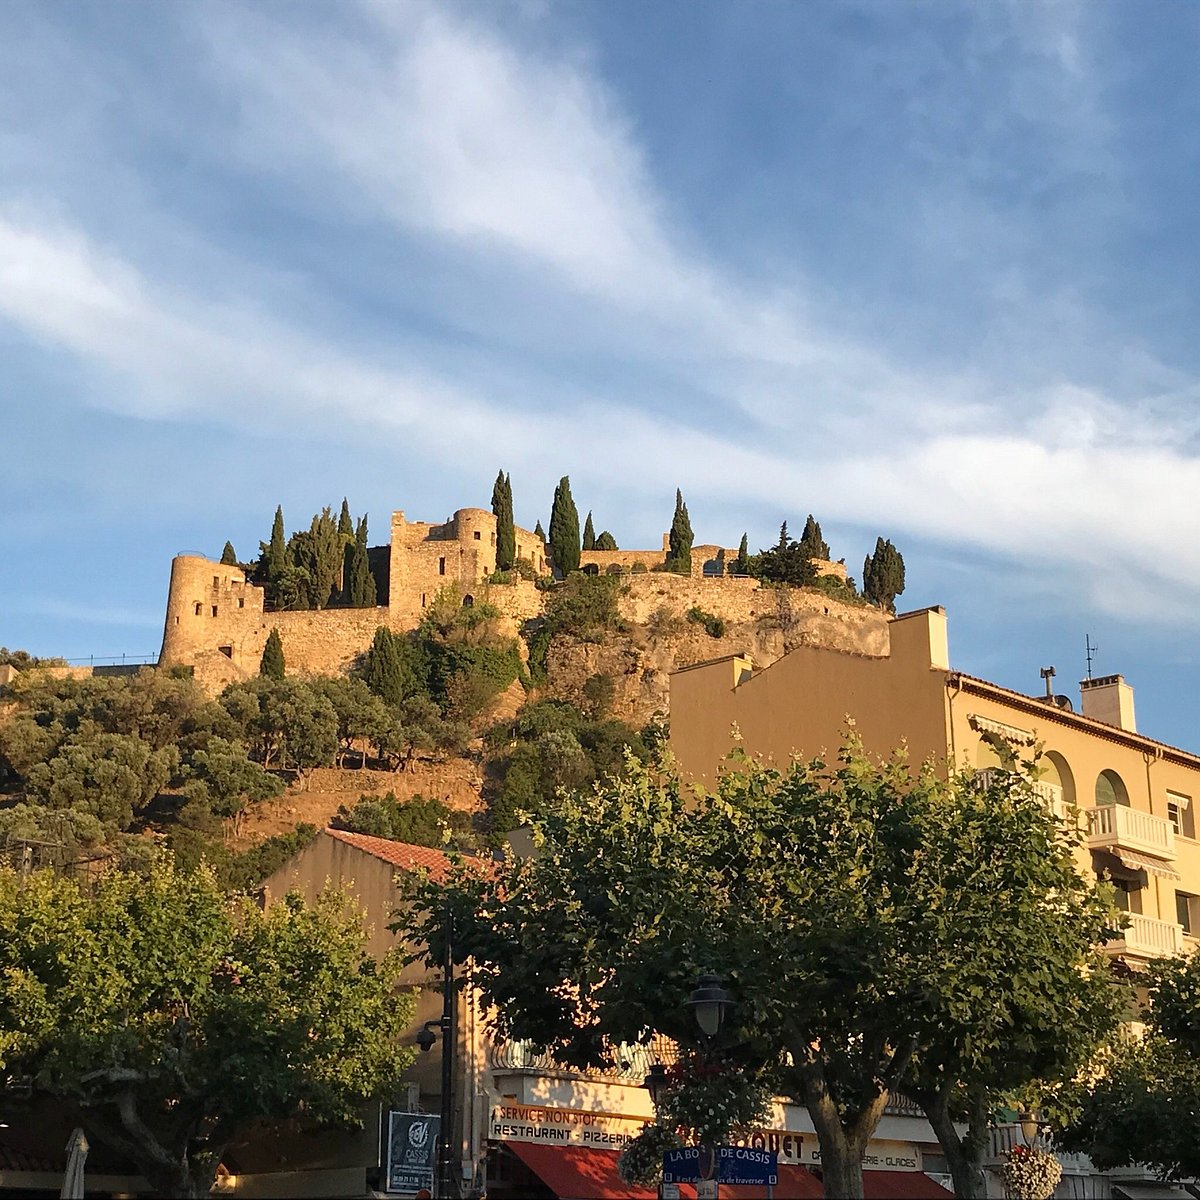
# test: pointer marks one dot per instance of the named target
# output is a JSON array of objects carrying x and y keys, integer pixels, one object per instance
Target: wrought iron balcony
[{"x": 630, "y": 1061}]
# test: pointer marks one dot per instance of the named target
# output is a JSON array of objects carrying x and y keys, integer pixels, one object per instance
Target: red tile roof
[{"x": 399, "y": 854}]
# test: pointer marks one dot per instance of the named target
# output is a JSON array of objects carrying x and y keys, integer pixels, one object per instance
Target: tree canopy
[
  {"x": 506, "y": 533},
  {"x": 589, "y": 533},
  {"x": 1144, "y": 1105},
  {"x": 272, "y": 665},
  {"x": 172, "y": 1018},
  {"x": 863, "y": 917},
  {"x": 883, "y": 575},
  {"x": 786, "y": 562}
]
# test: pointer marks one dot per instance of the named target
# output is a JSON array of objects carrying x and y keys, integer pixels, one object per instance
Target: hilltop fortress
[{"x": 217, "y": 621}]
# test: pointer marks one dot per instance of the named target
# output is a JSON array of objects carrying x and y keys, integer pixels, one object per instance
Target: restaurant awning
[
  {"x": 578, "y": 1172},
  {"x": 902, "y": 1185},
  {"x": 1150, "y": 1191}
]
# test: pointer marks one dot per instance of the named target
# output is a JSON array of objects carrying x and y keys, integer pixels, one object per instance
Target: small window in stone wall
[
  {"x": 477, "y": 535},
  {"x": 441, "y": 566},
  {"x": 176, "y": 620},
  {"x": 422, "y": 599},
  {"x": 226, "y": 650},
  {"x": 198, "y": 607},
  {"x": 216, "y": 581},
  {"x": 241, "y": 602},
  {"x": 214, "y": 608}
]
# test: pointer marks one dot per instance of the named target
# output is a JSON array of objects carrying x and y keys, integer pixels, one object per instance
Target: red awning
[
  {"x": 578, "y": 1172},
  {"x": 902, "y": 1185}
]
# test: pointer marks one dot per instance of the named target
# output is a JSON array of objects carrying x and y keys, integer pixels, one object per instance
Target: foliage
[
  {"x": 539, "y": 532},
  {"x": 229, "y": 556},
  {"x": 172, "y": 1018},
  {"x": 1142, "y": 1105},
  {"x": 273, "y": 558},
  {"x": 288, "y": 723},
  {"x": 589, "y": 533},
  {"x": 599, "y": 691},
  {"x": 714, "y": 626},
  {"x": 679, "y": 554},
  {"x": 813, "y": 544},
  {"x": 642, "y": 1158},
  {"x": 390, "y": 668},
  {"x": 506, "y": 534},
  {"x": 785, "y": 562},
  {"x": 883, "y": 575},
  {"x": 839, "y": 589},
  {"x": 345, "y": 525},
  {"x": 418, "y": 821},
  {"x": 23, "y": 660},
  {"x": 225, "y": 781},
  {"x": 273, "y": 664},
  {"x": 317, "y": 554},
  {"x": 664, "y": 622},
  {"x": 606, "y": 541},
  {"x": 1030, "y": 1173},
  {"x": 638, "y": 568},
  {"x": 862, "y": 916},
  {"x": 741, "y": 564},
  {"x": 584, "y": 607},
  {"x": 564, "y": 530},
  {"x": 360, "y": 713},
  {"x": 359, "y": 589},
  {"x": 112, "y": 776}
]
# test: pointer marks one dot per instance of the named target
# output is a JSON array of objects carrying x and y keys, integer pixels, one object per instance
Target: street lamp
[
  {"x": 709, "y": 1002},
  {"x": 655, "y": 1082},
  {"x": 425, "y": 1039},
  {"x": 1031, "y": 1127}
]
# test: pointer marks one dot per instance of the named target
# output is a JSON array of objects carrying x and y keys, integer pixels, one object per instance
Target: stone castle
[{"x": 217, "y": 621}]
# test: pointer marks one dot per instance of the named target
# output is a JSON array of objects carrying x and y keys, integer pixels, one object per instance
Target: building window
[
  {"x": 241, "y": 602},
  {"x": 176, "y": 620},
  {"x": 1110, "y": 789},
  {"x": 216, "y": 581},
  {"x": 198, "y": 607},
  {"x": 441, "y": 566},
  {"x": 422, "y": 599},
  {"x": 226, "y": 650},
  {"x": 214, "y": 608},
  {"x": 1179, "y": 813},
  {"x": 1185, "y": 911},
  {"x": 1128, "y": 895},
  {"x": 478, "y": 535}
]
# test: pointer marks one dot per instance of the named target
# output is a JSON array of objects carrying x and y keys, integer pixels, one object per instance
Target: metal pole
[{"x": 446, "y": 1187}]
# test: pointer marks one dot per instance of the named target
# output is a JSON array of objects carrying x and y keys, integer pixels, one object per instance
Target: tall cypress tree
[
  {"x": 564, "y": 529},
  {"x": 589, "y": 533},
  {"x": 272, "y": 664},
  {"x": 506, "y": 532},
  {"x": 387, "y": 671},
  {"x": 679, "y": 556},
  {"x": 539, "y": 533},
  {"x": 741, "y": 564},
  {"x": 274, "y": 553},
  {"x": 228, "y": 556},
  {"x": 345, "y": 526},
  {"x": 360, "y": 582},
  {"x": 814, "y": 544},
  {"x": 883, "y": 575}
]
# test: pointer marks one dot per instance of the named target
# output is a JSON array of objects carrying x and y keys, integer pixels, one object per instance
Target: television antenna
[{"x": 1091, "y": 651}]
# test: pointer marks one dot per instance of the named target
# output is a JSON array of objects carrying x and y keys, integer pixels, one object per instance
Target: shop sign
[
  {"x": 412, "y": 1142},
  {"x": 563, "y": 1126},
  {"x": 880, "y": 1156}
]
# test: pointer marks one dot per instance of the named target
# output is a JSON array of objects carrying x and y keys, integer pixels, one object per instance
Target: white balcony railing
[
  {"x": 1147, "y": 937},
  {"x": 1120, "y": 825},
  {"x": 1051, "y": 793},
  {"x": 630, "y": 1062}
]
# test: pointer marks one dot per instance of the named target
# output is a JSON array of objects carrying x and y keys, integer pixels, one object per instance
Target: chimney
[{"x": 1109, "y": 699}]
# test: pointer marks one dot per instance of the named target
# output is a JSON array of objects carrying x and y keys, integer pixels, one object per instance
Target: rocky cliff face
[{"x": 764, "y": 623}]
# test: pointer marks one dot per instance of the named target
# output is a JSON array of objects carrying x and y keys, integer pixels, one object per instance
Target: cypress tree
[
  {"x": 539, "y": 533},
  {"x": 360, "y": 583},
  {"x": 606, "y": 541},
  {"x": 814, "y": 544},
  {"x": 564, "y": 530},
  {"x": 741, "y": 564},
  {"x": 272, "y": 664},
  {"x": 228, "y": 556},
  {"x": 387, "y": 671},
  {"x": 589, "y": 533},
  {"x": 679, "y": 556},
  {"x": 506, "y": 533},
  {"x": 883, "y": 575},
  {"x": 274, "y": 553},
  {"x": 345, "y": 526}
]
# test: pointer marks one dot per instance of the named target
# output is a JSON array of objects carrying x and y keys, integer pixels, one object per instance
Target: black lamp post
[
  {"x": 655, "y": 1082},
  {"x": 710, "y": 1002},
  {"x": 425, "y": 1039}
]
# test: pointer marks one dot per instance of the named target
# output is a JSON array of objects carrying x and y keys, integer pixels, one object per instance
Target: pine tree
[
  {"x": 679, "y": 555},
  {"x": 814, "y": 544},
  {"x": 539, "y": 533},
  {"x": 506, "y": 533},
  {"x": 564, "y": 530},
  {"x": 229, "y": 556},
  {"x": 606, "y": 541},
  {"x": 272, "y": 664},
  {"x": 319, "y": 553},
  {"x": 786, "y": 562},
  {"x": 589, "y": 533},
  {"x": 883, "y": 575}
]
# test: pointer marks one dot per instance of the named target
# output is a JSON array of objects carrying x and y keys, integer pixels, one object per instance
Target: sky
[{"x": 927, "y": 271}]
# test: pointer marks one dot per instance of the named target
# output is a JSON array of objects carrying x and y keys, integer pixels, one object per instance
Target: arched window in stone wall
[
  {"x": 1110, "y": 789},
  {"x": 468, "y": 601},
  {"x": 591, "y": 569}
]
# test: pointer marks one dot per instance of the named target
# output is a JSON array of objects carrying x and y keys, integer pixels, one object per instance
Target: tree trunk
[{"x": 964, "y": 1155}]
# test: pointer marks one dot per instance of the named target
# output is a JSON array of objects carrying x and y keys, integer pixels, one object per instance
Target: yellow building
[{"x": 1133, "y": 793}]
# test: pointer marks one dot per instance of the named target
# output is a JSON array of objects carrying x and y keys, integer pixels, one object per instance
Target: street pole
[{"x": 446, "y": 1189}]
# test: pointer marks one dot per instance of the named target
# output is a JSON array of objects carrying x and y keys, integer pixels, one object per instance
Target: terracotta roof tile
[{"x": 399, "y": 854}]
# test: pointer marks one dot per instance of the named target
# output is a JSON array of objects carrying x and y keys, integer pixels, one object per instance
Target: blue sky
[{"x": 924, "y": 270}]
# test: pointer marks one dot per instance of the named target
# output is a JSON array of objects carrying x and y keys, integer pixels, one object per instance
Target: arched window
[
  {"x": 1110, "y": 789},
  {"x": 468, "y": 602},
  {"x": 986, "y": 757},
  {"x": 591, "y": 569},
  {"x": 1057, "y": 771}
]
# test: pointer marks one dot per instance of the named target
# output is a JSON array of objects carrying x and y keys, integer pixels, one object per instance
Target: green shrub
[
  {"x": 714, "y": 626},
  {"x": 419, "y": 822},
  {"x": 839, "y": 589}
]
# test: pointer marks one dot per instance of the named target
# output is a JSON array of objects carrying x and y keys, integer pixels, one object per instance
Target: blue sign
[{"x": 729, "y": 1164}]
